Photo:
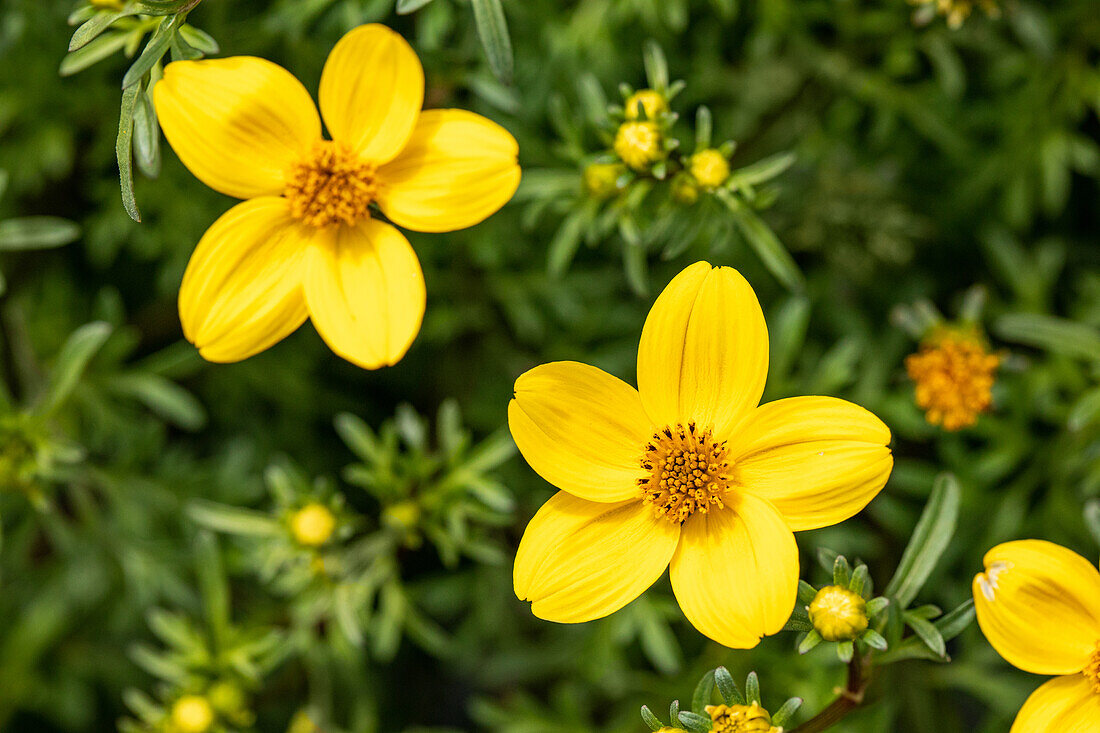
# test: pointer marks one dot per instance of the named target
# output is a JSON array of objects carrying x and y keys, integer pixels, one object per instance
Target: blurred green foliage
[{"x": 145, "y": 494}]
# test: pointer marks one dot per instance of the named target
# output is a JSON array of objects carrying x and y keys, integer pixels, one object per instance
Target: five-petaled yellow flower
[
  {"x": 688, "y": 469},
  {"x": 306, "y": 242},
  {"x": 1038, "y": 604}
]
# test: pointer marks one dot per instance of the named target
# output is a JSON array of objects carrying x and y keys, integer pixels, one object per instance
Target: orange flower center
[
  {"x": 331, "y": 185},
  {"x": 688, "y": 472},
  {"x": 1092, "y": 670},
  {"x": 954, "y": 377}
]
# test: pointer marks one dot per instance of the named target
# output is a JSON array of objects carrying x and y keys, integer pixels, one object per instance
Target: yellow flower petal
[
  {"x": 365, "y": 292},
  {"x": 372, "y": 88},
  {"x": 735, "y": 572},
  {"x": 237, "y": 123},
  {"x": 580, "y": 560},
  {"x": 456, "y": 171},
  {"x": 1065, "y": 704},
  {"x": 818, "y": 460},
  {"x": 581, "y": 429},
  {"x": 242, "y": 292},
  {"x": 703, "y": 355},
  {"x": 1038, "y": 604}
]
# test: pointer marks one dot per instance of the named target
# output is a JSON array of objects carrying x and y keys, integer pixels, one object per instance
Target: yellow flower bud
[
  {"x": 838, "y": 614},
  {"x": 192, "y": 714},
  {"x": 651, "y": 101},
  {"x": 710, "y": 168},
  {"x": 313, "y": 525},
  {"x": 403, "y": 515},
  {"x": 226, "y": 697},
  {"x": 639, "y": 144},
  {"x": 683, "y": 189},
  {"x": 601, "y": 180}
]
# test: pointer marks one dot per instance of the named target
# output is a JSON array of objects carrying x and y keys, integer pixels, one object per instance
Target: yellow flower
[
  {"x": 652, "y": 104},
  {"x": 312, "y": 525},
  {"x": 749, "y": 718},
  {"x": 686, "y": 470},
  {"x": 838, "y": 614},
  {"x": 192, "y": 714},
  {"x": 954, "y": 376},
  {"x": 1038, "y": 604},
  {"x": 305, "y": 244},
  {"x": 710, "y": 168},
  {"x": 639, "y": 144}
]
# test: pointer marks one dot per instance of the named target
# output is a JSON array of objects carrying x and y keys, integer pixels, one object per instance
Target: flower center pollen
[
  {"x": 688, "y": 472},
  {"x": 1092, "y": 670},
  {"x": 331, "y": 185}
]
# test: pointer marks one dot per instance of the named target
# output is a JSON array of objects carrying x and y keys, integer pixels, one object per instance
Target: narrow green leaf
[
  {"x": 73, "y": 359},
  {"x": 873, "y": 639},
  {"x": 213, "y": 586},
  {"x": 123, "y": 145},
  {"x": 704, "y": 127},
  {"x": 761, "y": 171},
  {"x": 701, "y": 698},
  {"x": 694, "y": 722},
  {"x": 96, "y": 25},
  {"x": 927, "y": 632},
  {"x": 1058, "y": 335},
  {"x": 727, "y": 688},
  {"x": 154, "y": 50},
  {"x": 752, "y": 688},
  {"x": 764, "y": 242},
  {"x": 806, "y": 592},
  {"x": 650, "y": 719},
  {"x": 1092, "y": 518},
  {"x": 232, "y": 519},
  {"x": 842, "y": 571},
  {"x": 404, "y": 7},
  {"x": 92, "y": 53},
  {"x": 36, "y": 232},
  {"x": 567, "y": 239},
  {"x": 787, "y": 711},
  {"x": 656, "y": 66},
  {"x": 199, "y": 39},
  {"x": 812, "y": 640},
  {"x": 492, "y": 28},
  {"x": 164, "y": 397},
  {"x": 146, "y": 136},
  {"x": 875, "y": 606},
  {"x": 929, "y": 540}
]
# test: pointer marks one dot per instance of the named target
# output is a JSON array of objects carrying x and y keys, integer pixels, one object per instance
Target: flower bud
[
  {"x": 652, "y": 104},
  {"x": 313, "y": 525},
  {"x": 838, "y": 614},
  {"x": 709, "y": 168},
  {"x": 749, "y": 718},
  {"x": 639, "y": 144},
  {"x": 601, "y": 180},
  {"x": 684, "y": 189},
  {"x": 192, "y": 714}
]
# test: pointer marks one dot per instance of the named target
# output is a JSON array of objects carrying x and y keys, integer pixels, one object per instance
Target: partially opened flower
[
  {"x": 1038, "y": 604},
  {"x": 688, "y": 469},
  {"x": 307, "y": 242}
]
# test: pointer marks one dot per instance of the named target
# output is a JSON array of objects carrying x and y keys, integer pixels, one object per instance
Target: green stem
[{"x": 850, "y": 698}]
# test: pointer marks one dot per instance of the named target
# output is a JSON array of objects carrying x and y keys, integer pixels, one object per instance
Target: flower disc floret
[
  {"x": 331, "y": 185},
  {"x": 954, "y": 374},
  {"x": 1092, "y": 669},
  {"x": 687, "y": 472},
  {"x": 749, "y": 718}
]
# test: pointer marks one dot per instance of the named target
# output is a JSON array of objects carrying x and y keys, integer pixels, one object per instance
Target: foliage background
[{"x": 928, "y": 160}]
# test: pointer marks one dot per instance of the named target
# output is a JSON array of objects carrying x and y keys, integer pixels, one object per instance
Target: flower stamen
[
  {"x": 1092, "y": 669},
  {"x": 687, "y": 472},
  {"x": 331, "y": 185}
]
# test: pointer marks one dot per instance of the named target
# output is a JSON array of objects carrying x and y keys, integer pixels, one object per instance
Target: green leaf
[
  {"x": 96, "y": 25},
  {"x": 929, "y": 540},
  {"x": 213, "y": 587},
  {"x": 727, "y": 688},
  {"x": 199, "y": 39},
  {"x": 761, "y": 171},
  {"x": 154, "y": 50},
  {"x": 36, "y": 232},
  {"x": 764, "y": 242},
  {"x": 73, "y": 359},
  {"x": 1092, "y": 518},
  {"x": 567, "y": 239},
  {"x": 146, "y": 136},
  {"x": 844, "y": 651},
  {"x": 949, "y": 626},
  {"x": 842, "y": 571},
  {"x": 787, "y": 711},
  {"x": 927, "y": 632},
  {"x": 873, "y": 639},
  {"x": 164, "y": 397},
  {"x": 875, "y": 606},
  {"x": 704, "y": 126},
  {"x": 656, "y": 66},
  {"x": 806, "y": 592},
  {"x": 812, "y": 640},
  {"x": 92, "y": 53},
  {"x": 232, "y": 519},
  {"x": 636, "y": 268},
  {"x": 404, "y": 7},
  {"x": 1058, "y": 335},
  {"x": 752, "y": 688},
  {"x": 123, "y": 155},
  {"x": 492, "y": 28},
  {"x": 701, "y": 698},
  {"x": 650, "y": 719},
  {"x": 694, "y": 722}
]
